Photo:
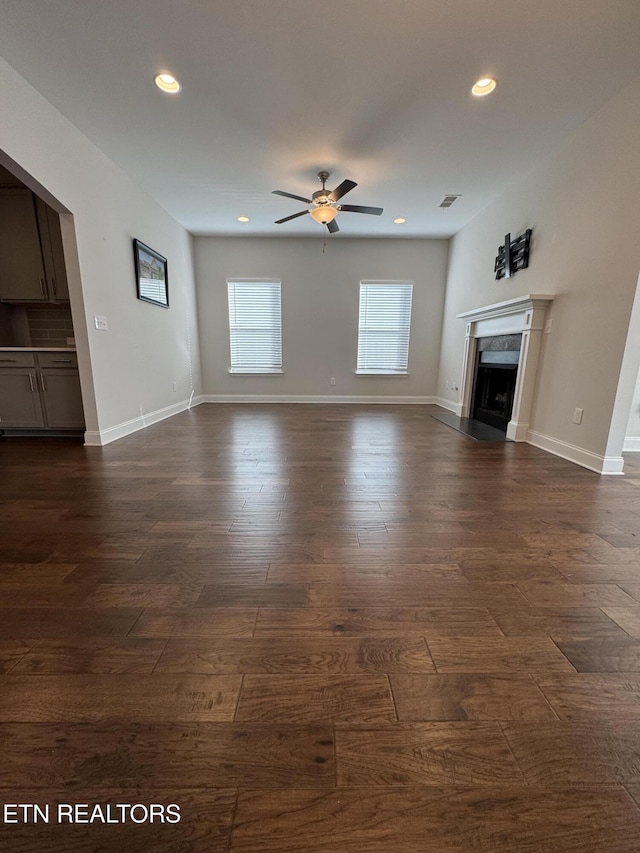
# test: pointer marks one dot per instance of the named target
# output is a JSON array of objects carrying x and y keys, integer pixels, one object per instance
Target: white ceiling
[{"x": 275, "y": 90}]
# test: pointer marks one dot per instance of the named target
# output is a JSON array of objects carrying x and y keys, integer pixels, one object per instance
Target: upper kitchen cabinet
[{"x": 31, "y": 257}]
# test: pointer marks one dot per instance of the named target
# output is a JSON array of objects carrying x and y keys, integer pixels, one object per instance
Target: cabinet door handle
[
  {"x": 44, "y": 387},
  {"x": 61, "y": 360},
  {"x": 53, "y": 287},
  {"x": 31, "y": 385},
  {"x": 10, "y": 360},
  {"x": 43, "y": 287}
]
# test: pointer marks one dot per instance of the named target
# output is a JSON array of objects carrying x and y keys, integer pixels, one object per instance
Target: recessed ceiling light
[
  {"x": 484, "y": 86},
  {"x": 399, "y": 220},
  {"x": 243, "y": 219},
  {"x": 167, "y": 83}
]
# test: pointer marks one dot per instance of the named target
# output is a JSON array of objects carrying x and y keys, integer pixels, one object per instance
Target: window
[
  {"x": 383, "y": 327},
  {"x": 255, "y": 330}
]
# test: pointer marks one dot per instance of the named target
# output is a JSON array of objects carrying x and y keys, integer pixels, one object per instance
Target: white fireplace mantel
[{"x": 523, "y": 315}]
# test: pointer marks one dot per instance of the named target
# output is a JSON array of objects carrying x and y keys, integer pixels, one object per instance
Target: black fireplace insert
[{"x": 495, "y": 380}]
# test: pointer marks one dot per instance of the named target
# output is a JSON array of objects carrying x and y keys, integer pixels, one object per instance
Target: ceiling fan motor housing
[{"x": 321, "y": 197}]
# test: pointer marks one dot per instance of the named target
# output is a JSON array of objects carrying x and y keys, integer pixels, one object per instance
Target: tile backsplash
[{"x": 50, "y": 325}]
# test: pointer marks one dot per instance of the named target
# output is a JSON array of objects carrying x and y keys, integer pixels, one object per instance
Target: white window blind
[
  {"x": 383, "y": 327},
  {"x": 255, "y": 328}
]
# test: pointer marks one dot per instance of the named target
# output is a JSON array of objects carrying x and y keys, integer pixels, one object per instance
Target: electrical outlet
[
  {"x": 577, "y": 416},
  {"x": 332, "y": 381},
  {"x": 100, "y": 322},
  {"x": 175, "y": 386},
  {"x": 446, "y": 385},
  {"x": 547, "y": 326}
]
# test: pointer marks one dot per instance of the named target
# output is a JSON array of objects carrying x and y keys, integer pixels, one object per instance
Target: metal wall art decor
[{"x": 513, "y": 256}]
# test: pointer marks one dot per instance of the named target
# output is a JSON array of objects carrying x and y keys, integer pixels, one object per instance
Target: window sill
[
  {"x": 381, "y": 372},
  {"x": 235, "y": 372}
]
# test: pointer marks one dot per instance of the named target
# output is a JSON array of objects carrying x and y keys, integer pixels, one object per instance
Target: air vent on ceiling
[{"x": 448, "y": 200}]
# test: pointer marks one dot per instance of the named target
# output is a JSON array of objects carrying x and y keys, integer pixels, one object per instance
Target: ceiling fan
[{"x": 325, "y": 209}]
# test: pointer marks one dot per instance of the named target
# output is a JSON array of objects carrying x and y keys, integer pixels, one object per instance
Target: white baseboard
[
  {"x": 610, "y": 465},
  {"x": 631, "y": 445},
  {"x": 98, "y": 438},
  {"x": 456, "y": 408},
  {"x": 301, "y": 398}
]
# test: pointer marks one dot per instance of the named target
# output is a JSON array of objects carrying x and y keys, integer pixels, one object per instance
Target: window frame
[
  {"x": 386, "y": 371},
  {"x": 253, "y": 370}
]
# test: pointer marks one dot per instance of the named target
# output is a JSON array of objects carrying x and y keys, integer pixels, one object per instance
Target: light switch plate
[{"x": 101, "y": 322}]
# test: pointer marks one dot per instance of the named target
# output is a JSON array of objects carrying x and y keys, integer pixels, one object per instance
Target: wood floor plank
[
  {"x": 169, "y": 756},
  {"x": 498, "y": 654},
  {"x": 209, "y": 622},
  {"x": 56, "y": 623},
  {"x": 378, "y": 621},
  {"x": 628, "y": 618},
  {"x": 342, "y": 573},
  {"x": 36, "y": 573},
  {"x": 245, "y": 595},
  {"x": 170, "y": 572},
  {"x": 592, "y": 696},
  {"x": 573, "y": 754},
  {"x": 13, "y": 651},
  {"x": 621, "y": 573},
  {"x": 206, "y": 816},
  {"x": 86, "y": 698},
  {"x": 421, "y": 698},
  {"x": 281, "y": 655},
  {"x": 413, "y": 593},
  {"x": 424, "y": 754},
  {"x": 313, "y": 698},
  {"x": 602, "y": 654},
  {"x": 44, "y": 595},
  {"x": 99, "y": 657},
  {"x": 449, "y": 819},
  {"x": 549, "y": 594},
  {"x": 145, "y": 595},
  {"x": 557, "y": 622}
]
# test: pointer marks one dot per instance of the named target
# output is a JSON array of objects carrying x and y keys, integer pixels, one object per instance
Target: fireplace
[
  {"x": 495, "y": 379},
  {"x": 522, "y": 317}
]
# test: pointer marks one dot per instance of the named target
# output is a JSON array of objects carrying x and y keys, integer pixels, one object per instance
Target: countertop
[{"x": 37, "y": 349}]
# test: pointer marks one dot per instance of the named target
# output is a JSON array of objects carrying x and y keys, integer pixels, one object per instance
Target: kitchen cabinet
[
  {"x": 40, "y": 391},
  {"x": 52, "y": 252},
  {"x": 32, "y": 265}
]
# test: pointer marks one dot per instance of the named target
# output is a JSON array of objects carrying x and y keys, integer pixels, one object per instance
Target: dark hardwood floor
[{"x": 319, "y": 628}]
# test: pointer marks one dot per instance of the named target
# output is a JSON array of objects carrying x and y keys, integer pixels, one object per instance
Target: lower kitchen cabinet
[{"x": 40, "y": 391}]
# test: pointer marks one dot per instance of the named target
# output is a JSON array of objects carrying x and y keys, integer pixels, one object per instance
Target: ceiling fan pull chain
[{"x": 324, "y": 244}]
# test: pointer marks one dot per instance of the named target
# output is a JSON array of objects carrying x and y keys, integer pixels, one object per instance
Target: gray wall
[
  {"x": 320, "y": 312},
  {"x": 584, "y": 207}
]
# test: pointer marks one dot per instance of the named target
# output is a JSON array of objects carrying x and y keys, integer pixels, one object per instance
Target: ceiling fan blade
[
  {"x": 293, "y": 216},
  {"x": 332, "y": 226},
  {"x": 357, "y": 208},
  {"x": 343, "y": 189},
  {"x": 290, "y": 195}
]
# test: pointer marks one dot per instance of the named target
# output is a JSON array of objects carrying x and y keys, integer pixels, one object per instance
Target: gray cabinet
[
  {"x": 32, "y": 267},
  {"x": 52, "y": 252},
  {"x": 22, "y": 276},
  {"x": 40, "y": 391}
]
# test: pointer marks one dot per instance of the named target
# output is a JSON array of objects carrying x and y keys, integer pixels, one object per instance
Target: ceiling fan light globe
[{"x": 323, "y": 214}]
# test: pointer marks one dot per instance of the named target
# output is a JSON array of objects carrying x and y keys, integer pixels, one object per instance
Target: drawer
[
  {"x": 17, "y": 359},
  {"x": 57, "y": 359}
]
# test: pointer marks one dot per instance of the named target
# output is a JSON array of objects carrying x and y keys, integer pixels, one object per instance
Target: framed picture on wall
[{"x": 152, "y": 283}]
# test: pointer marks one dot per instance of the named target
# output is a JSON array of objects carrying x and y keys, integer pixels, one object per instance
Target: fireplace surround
[{"x": 525, "y": 316}]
